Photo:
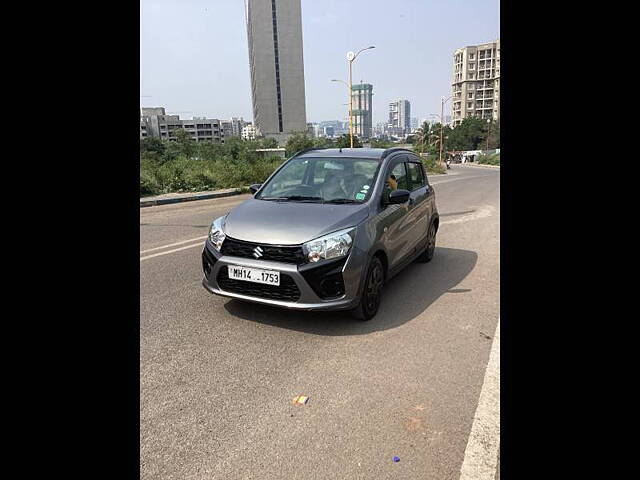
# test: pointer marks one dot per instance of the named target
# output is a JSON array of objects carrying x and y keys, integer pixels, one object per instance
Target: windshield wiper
[
  {"x": 296, "y": 198},
  {"x": 341, "y": 200}
]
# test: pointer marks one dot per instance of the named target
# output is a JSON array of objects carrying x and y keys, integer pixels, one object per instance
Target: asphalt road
[{"x": 218, "y": 376}]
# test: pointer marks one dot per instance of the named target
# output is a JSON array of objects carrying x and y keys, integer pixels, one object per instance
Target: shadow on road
[{"x": 405, "y": 297}]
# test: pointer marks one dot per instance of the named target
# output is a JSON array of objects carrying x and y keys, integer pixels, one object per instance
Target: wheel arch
[{"x": 436, "y": 221}]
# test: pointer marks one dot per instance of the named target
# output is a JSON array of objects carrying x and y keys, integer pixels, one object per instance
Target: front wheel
[
  {"x": 430, "y": 249},
  {"x": 372, "y": 292}
]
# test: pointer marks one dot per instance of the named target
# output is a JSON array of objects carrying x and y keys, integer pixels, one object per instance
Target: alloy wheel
[{"x": 374, "y": 286}]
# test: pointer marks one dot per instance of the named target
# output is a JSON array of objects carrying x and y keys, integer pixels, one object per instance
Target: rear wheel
[
  {"x": 430, "y": 249},
  {"x": 372, "y": 292}
]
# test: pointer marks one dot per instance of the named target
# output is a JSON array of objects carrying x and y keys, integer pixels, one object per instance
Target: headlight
[
  {"x": 216, "y": 235},
  {"x": 334, "y": 245}
]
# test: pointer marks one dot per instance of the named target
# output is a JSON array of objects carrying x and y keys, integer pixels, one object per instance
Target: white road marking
[
  {"x": 440, "y": 182},
  {"x": 481, "y": 455},
  {"x": 172, "y": 244},
  {"x": 199, "y": 244}
]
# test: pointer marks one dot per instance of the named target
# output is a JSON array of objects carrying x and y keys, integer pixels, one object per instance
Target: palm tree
[{"x": 422, "y": 135}]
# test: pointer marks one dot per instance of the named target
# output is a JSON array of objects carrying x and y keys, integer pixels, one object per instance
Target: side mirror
[
  {"x": 398, "y": 196},
  {"x": 254, "y": 188}
]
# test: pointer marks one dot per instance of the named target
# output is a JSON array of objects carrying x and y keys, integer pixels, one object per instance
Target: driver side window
[{"x": 396, "y": 179}]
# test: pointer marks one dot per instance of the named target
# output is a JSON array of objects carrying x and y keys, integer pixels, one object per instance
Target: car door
[
  {"x": 396, "y": 228},
  {"x": 419, "y": 212}
]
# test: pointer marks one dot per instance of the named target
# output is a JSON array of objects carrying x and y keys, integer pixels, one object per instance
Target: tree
[
  {"x": 298, "y": 141},
  {"x": 428, "y": 138},
  {"x": 322, "y": 142},
  {"x": 344, "y": 141},
  {"x": 379, "y": 143},
  {"x": 268, "y": 142},
  {"x": 185, "y": 142},
  {"x": 152, "y": 144},
  {"x": 209, "y": 150},
  {"x": 422, "y": 136},
  {"x": 492, "y": 139},
  {"x": 468, "y": 135}
]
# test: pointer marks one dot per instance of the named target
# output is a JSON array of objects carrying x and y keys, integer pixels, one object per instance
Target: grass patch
[{"x": 489, "y": 159}]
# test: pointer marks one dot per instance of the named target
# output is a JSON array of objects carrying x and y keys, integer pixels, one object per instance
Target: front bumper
[{"x": 214, "y": 262}]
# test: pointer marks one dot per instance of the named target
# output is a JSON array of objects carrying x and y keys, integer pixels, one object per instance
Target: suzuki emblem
[{"x": 257, "y": 252}]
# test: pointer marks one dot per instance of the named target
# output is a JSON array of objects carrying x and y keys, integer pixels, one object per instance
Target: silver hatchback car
[{"x": 325, "y": 231}]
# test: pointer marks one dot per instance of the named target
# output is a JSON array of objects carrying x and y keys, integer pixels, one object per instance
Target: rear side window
[{"x": 416, "y": 176}]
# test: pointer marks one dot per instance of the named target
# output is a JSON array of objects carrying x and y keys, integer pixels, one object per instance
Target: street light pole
[
  {"x": 351, "y": 57},
  {"x": 488, "y": 132},
  {"x": 442, "y": 123}
]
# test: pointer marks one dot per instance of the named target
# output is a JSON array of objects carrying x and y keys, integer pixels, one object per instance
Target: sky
[{"x": 194, "y": 57}]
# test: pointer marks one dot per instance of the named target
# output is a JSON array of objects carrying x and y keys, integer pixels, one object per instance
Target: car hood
[{"x": 289, "y": 223}]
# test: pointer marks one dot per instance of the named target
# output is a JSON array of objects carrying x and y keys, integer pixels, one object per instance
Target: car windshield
[{"x": 322, "y": 180}]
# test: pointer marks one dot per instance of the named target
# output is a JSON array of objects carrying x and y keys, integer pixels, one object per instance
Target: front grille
[
  {"x": 287, "y": 290},
  {"x": 275, "y": 253}
]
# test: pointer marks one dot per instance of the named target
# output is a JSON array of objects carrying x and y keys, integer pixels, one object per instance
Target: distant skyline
[{"x": 194, "y": 54}]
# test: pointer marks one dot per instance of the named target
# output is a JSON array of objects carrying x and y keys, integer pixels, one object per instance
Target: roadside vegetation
[
  {"x": 472, "y": 134},
  {"x": 189, "y": 166},
  {"x": 489, "y": 159}
]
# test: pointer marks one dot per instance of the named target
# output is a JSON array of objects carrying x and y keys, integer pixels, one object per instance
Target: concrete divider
[
  {"x": 479, "y": 165},
  {"x": 186, "y": 197}
]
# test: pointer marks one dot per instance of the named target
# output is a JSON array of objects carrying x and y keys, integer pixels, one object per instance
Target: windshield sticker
[
  {"x": 365, "y": 187},
  {"x": 360, "y": 196}
]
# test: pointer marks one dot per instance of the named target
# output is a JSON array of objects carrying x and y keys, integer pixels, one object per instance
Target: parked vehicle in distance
[{"x": 325, "y": 231}]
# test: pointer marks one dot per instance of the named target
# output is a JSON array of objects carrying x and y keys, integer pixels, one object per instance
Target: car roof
[{"x": 373, "y": 153}]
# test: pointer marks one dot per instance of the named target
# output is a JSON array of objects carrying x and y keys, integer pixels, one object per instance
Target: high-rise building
[
  {"x": 329, "y": 131},
  {"x": 400, "y": 117},
  {"x": 476, "y": 82},
  {"x": 312, "y": 129},
  {"x": 249, "y": 132},
  {"x": 338, "y": 127},
  {"x": 274, "y": 30},
  {"x": 236, "y": 126},
  {"x": 227, "y": 128},
  {"x": 361, "y": 113}
]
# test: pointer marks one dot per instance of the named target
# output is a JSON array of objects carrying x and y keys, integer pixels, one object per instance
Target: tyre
[
  {"x": 430, "y": 249},
  {"x": 372, "y": 291}
]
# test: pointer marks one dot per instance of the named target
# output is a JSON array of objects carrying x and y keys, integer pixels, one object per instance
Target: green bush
[
  {"x": 213, "y": 166},
  {"x": 148, "y": 183},
  {"x": 489, "y": 159},
  {"x": 432, "y": 164}
]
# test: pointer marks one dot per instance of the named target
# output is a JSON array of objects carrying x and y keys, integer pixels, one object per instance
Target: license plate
[{"x": 254, "y": 275}]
